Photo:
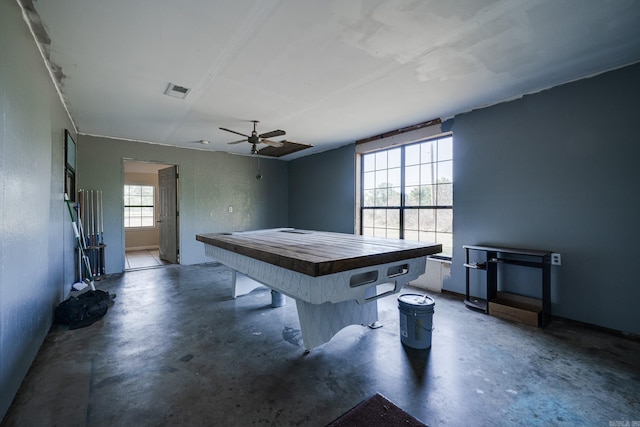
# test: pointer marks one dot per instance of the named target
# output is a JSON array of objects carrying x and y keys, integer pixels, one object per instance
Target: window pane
[
  {"x": 445, "y": 149},
  {"x": 412, "y": 196},
  {"x": 412, "y": 175},
  {"x": 427, "y": 237},
  {"x": 426, "y": 195},
  {"x": 381, "y": 197},
  {"x": 394, "y": 197},
  {"x": 146, "y": 221},
  {"x": 411, "y": 235},
  {"x": 379, "y": 232},
  {"x": 427, "y": 173},
  {"x": 393, "y": 158},
  {"x": 369, "y": 162},
  {"x": 427, "y": 220},
  {"x": 445, "y": 195},
  {"x": 446, "y": 240},
  {"x": 393, "y": 177},
  {"x": 381, "y": 179},
  {"x": 393, "y": 233},
  {"x": 380, "y": 218},
  {"x": 444, "y": 220},
  {"x": 445, "y": 171},
  {"x": 367, "y": 218},
  {"x": 411, "y": 221},
  {"x": 393, "y": 219},
  {"x": 381, "y": 160},
  {"x": 412, "y": 154},
  {"x": 135, "y": 222},
  {"x": 369, "y": 180},
  {"x": 427, "y": 152},
  {"x": 369, "y": 197}
]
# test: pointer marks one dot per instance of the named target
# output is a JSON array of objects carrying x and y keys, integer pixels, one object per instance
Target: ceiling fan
[{"x": 255, "y": 139}]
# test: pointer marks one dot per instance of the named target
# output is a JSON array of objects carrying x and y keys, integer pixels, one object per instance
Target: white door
[{"x": 168, "y": 222}]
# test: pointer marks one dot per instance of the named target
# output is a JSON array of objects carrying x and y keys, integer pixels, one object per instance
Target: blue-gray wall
[
  {"x": 209, "y": 183},
  {"x": 557, "y": 170},
  {"x": 322, "y": 189},
  {"x": 36, "y": 238}
]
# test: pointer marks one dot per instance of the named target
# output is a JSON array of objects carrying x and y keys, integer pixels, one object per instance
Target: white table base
[{"x": 326, "y": 304}]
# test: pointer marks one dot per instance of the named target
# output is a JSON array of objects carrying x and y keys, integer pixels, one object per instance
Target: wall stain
[{"x": 42, "y": 38}]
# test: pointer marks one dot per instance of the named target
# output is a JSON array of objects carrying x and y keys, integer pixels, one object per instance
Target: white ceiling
[{"x": 328, "y": 72}]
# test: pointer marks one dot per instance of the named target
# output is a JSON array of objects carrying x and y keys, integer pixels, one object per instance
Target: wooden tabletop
[{"x": 318, "y": 253}]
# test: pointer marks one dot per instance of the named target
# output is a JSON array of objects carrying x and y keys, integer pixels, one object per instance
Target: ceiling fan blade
[
  {"x": 272, "y": 143},
  {"x": 286, "y": 141},
  {"x": 237, "y": 142},
  {"x": 273, "y": 134},
  {"x": 233, "y": 131}
]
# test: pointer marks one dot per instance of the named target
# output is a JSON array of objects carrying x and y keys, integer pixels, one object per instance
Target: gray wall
[
  {"x": 36, "y": 238},
  {"x": 558, "y": 170},
  {"x": 209, "y": 183},
  {"x": 322, "y": 189}
]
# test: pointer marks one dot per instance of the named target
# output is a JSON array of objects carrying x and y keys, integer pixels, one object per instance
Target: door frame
[{"x": 150, "y": 167}]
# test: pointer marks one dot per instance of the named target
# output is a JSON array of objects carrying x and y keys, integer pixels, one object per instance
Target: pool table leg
[{"x": 320, "y": 322}]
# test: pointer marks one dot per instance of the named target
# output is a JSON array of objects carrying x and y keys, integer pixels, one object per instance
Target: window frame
[
  {"x": 125, "y": 206},
  {"x": 404, "y": 206}
]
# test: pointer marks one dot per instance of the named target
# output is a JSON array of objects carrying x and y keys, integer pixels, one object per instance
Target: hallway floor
[
  {"x": 147, "y": 258},
  {"x": 176, "y": 349}
]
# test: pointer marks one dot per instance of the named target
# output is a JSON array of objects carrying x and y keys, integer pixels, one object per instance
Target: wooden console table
[{"x": 514, "y": 256}]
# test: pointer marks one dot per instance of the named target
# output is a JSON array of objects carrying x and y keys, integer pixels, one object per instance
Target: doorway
[{"x": 150, "y": 215}]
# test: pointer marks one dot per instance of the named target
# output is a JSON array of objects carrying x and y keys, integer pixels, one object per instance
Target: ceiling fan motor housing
[{"x": 253, "y": 139}]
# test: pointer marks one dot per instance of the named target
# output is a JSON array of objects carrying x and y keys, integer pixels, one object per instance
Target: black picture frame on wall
[
  {"x": 69, "y": 151},
  {"x": 69, "y": 166}
]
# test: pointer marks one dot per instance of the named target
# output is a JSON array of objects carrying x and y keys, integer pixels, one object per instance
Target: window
[
  {"x": 407, "y": 193},
  {"x": 139, "y": 206}
]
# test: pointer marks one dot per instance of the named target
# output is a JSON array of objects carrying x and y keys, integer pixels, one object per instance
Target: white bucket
[{"x": 416, "y": 320}]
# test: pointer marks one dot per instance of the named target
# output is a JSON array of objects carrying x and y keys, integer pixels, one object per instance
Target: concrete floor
[{"x": 175, "y": 349}]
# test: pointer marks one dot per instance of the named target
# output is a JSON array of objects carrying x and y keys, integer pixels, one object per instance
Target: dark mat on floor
[{"x": 376, "y": 411}]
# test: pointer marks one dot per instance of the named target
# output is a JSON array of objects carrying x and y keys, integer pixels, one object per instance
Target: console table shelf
[{"x": 514, "y": 256}]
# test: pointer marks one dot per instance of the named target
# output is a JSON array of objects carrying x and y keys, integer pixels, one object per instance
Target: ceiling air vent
[{"x": 177, "y": 91}]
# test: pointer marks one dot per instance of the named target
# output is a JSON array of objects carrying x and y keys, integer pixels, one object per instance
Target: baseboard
[
  {"x": 141, "y": 248},
  {"x": 606, "y": 330}
]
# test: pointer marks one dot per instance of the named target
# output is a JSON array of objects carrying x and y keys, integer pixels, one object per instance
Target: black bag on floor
[{"x": 83, "y": 310}]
